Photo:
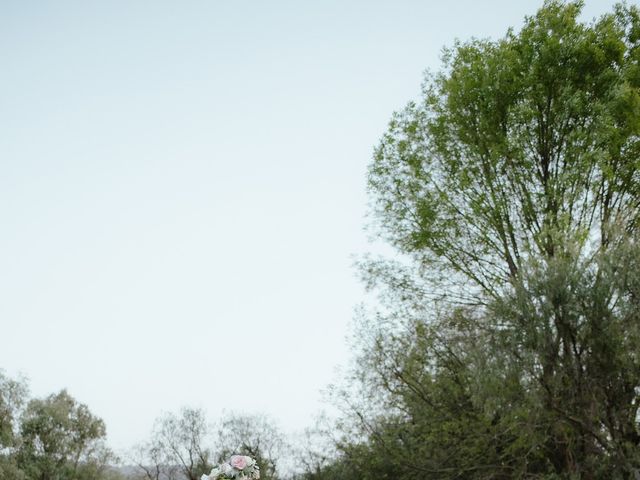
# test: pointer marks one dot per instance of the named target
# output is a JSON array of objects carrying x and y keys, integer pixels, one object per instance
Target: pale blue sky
[{"x": 182, "y": 185}]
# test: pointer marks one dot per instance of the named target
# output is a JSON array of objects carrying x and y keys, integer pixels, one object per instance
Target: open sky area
[{"x": 183, "y": 187}]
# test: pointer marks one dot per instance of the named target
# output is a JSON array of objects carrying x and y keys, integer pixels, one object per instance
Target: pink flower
[{"x": 238, "y": 461}]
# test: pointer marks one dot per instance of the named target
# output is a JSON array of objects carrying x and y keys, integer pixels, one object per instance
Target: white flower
[
  {"x": 204, "y": 477},
  {"x": 228, "y": 470}
]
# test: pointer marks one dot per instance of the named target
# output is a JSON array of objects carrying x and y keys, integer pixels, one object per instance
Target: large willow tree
[
  {"x": 513, "y": 188},
  {"x": 518, "y": 147}
]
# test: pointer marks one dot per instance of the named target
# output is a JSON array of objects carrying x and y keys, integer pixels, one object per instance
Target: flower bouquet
[{"x": 239, "y": 467}]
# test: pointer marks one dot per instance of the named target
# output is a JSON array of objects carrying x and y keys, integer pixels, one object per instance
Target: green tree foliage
[
  {"x": 518, "y": 146},
  {"x": 12, "y": 397},
  {"x": 506, "y": 345},
  {"x": 54, "y": 438},
  {"x": 572, "y": 329},
  {"x": 13, "y": 394},
  {"x": 62, "y": 439}
]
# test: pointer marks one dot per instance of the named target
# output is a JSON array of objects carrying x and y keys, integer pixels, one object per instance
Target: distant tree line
[
  {"x": 58, "y": 438},
  {"x": 186, "y": 445}
]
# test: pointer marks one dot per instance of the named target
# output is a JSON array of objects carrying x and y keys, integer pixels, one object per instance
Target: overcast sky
[{"x": 182, "y": 186}]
